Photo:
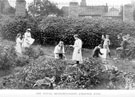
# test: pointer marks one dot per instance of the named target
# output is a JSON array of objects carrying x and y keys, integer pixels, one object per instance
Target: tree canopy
[{"x": 43, "y": 8}]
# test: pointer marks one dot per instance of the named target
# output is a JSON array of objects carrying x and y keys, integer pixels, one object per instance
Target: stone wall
[
  {"x": 128, "y": 12},
  {"x": 4, "y": 6},
  {"x": 73, "y": 9},
  {"x": 20, "y": 9}
]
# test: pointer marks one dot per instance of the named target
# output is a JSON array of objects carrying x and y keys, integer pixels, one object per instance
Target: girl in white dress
[
  {"x": 27, "y": 40},
  {"x": 77, "y": 53},
  {"x": 18, "y": 47},
  {"x": 106, "y": 45}
]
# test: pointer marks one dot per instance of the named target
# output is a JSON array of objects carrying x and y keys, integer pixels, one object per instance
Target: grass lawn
[{"x": 124, "y": 65}]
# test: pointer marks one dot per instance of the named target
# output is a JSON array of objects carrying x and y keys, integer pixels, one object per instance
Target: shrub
[
  {"x": 90, "y": 30},
  {"x": 10, "y": 28},
  {"x": 38, "y": 69},
  {"x": 89, "y": 75},
  {"x": 34, "y": 52},
  {"x": 52, "y": 29},
  {"x": 129, "y": 52},
  {"x": 7, "y": 57}
]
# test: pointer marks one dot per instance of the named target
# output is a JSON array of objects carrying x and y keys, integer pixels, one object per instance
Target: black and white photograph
[{"x": 59, "y": 45}]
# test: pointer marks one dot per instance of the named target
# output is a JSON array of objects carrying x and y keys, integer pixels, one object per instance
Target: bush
[
  {"x": 12, "y": 27},
  {"x": 129, "y": 52},
  {"x": 52, "y": 29},
  {"x": 7, "y": 55},
  {"x": 89, "y": 75},
  {"x": 90, "y": 30},
  {"x": 9, "y": 58},
  {"x": 38, "y": 69},
  {"x": 34, "y": 52}
]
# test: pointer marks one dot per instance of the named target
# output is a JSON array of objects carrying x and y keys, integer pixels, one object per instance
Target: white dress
[
  {"x": 106, "y": 44},
  {"x": 18, "y": 47},
  {"x": 27, "y": 41},
  {"x": 77, "y": 53}
]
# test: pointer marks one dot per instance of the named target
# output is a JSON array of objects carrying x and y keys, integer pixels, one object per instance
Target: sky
[{"x": 89, "y": 2}]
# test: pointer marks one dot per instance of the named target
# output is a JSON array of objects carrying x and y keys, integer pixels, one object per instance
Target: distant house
[
  {"x": 20, "y": 8},
  {"x": 113, "y": 13},
  {"x": 93, "y": 11},
  {"x": 65, "y": 10},
  {"x": 128, "y": 12},
  {"x": 5, "y": 8},
  {"x": 83, "y": 10}
]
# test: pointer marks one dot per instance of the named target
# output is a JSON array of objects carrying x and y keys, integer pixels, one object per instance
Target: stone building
[
  {"x": 73, "y": 9},
  {"x": 20, "y": 8},
  {"x": 128, "y": 12},
  {"x": 83, "y": 10},
  {"x": 4, "y": 6},
  {"x": 113, "y": 13}
]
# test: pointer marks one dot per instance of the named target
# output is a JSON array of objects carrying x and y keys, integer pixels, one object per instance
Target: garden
[{"x": 38, "y": 61}]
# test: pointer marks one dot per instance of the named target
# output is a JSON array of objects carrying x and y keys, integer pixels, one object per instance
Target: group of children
[
  {"x": 102, "y": 50},
  {"x": 59, "y": 51},
  {"x": 23, "y": 42}
]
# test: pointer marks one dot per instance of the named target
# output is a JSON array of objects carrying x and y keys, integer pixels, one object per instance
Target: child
[
  {"x": 27, "y": 40},
  {"x": 59, "y": 51},
  {"x": 18, "y": 46},
  {"x": 97, "y": 52},
  {"x": 106, "y": 45}
]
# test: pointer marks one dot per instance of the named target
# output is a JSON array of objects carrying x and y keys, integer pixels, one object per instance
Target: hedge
[
  {"x": 90, "y": 30},
  {"x": 53, "y": 29},
  {"x": 10, "y": 28}
]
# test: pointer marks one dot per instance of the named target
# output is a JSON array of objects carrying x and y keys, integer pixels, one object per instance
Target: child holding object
[
  {"x": 97, "y": 52},
  {"x": 59, "y": 51}
]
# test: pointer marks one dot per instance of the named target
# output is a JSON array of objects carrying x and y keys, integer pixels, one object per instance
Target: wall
[
  {"x": 73, "y": 9},
  {"x": 20, "y": 9},
  {"x": 128, "y": 12}
]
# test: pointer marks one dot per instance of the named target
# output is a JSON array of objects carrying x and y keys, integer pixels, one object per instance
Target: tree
[{"x": 40, "y": 8}]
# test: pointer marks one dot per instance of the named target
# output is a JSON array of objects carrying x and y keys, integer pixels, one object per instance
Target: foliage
[
  {"x": 89, "y": 75},
  {"x": 34, "y": 52},
  {"x": 43, "y": 8},
  {"x": 12, "y": 27},
  {"x": 9, "y": 58},
  {"x": 129, "y": 52},
  {"x": 89, "y": 30},
  {"x": 53, "y": 29}
]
